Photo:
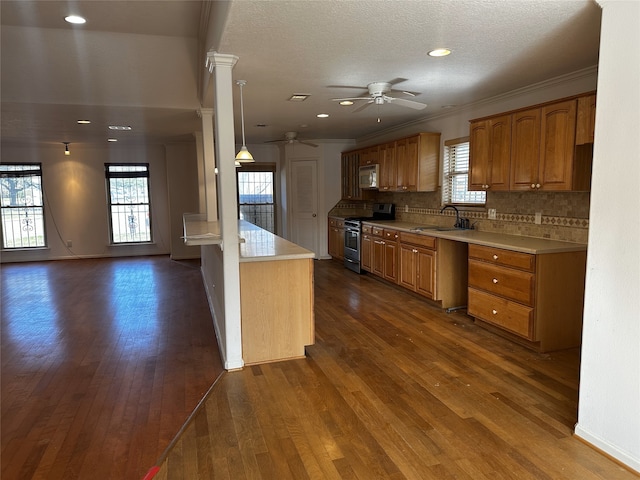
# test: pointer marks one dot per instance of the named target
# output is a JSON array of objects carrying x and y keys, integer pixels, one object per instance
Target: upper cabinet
[
  {"x": 406, "y": 165},
  {"x": 489, "y": 147},
  {"x": 536, "y": 148},
  {"x": 350, "y": 165}
]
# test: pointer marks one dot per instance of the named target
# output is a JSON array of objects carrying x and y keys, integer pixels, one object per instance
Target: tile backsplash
[{"x": 564, "y": 215}]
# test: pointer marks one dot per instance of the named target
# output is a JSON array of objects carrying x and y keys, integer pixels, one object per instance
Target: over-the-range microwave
[{"x": 368, "y": 176}]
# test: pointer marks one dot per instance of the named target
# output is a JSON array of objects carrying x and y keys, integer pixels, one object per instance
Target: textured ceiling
[{"x": 139, "y": 63}]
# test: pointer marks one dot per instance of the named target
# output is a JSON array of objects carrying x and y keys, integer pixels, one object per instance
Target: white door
[{"x": 304, "y": 204}]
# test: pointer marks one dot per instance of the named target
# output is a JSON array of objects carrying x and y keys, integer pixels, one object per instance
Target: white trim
[{"x": 608, "y": 448}]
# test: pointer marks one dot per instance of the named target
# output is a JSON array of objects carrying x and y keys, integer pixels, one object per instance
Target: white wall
[
  {"x": 609, "y": 402},
  {"x": 76, "y": 200}
]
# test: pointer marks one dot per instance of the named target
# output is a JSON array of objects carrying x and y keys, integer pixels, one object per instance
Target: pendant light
[
  {"x": 66, "y": 148},
  {"x": 243, "y": 155}
]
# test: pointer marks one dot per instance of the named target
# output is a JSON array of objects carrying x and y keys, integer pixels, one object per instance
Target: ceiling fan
[
  {"x": 290, "y": 138},
  {"x": 378, "y": 95}
]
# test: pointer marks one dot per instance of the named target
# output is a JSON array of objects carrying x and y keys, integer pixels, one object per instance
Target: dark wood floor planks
[
  {"x": 102, "y": 363},
  {"x": 396, "y": 389}
]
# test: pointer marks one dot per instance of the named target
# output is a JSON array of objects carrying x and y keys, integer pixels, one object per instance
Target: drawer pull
[
  {"x": 495, "y": 257},
  {"x": 495, "y": 312},
  {"x": 495, "y": 280}
]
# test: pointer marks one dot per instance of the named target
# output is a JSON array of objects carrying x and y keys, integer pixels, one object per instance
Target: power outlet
[
  {"x": 538, "y": 219},
  {"x": 492, "y": 214},
  {"x": 69, "y": 243},
  {"x": 406, "y": 209}
]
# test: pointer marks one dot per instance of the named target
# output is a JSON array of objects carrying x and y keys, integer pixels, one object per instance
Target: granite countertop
[
  {"x": 261, "y": 245},
  {"x": 515, "y": 243}
]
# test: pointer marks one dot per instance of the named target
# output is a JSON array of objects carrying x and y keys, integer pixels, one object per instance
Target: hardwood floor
[
  {"x": 102, "y": 363},
  {"x": 396, "y": 389}
]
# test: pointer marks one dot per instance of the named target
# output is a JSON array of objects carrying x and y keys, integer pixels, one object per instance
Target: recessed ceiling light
[
  {"x": 112, "y": 139},
  {"x": 439, "y": 52},
  {"x": 84, "y": 122},
  {"x": 322, "y": 115},
  {"x": 75, "y": 19},
  {"x": 299, "y": 97},
  {"x": 119, "y": 127},
  {"x": 346, "y": 102}
]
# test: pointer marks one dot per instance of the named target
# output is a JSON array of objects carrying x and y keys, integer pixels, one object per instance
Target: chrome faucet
[{"x": 458, "y": 223}]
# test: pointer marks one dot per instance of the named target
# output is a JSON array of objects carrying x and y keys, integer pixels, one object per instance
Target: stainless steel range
[{"x": 353, "y": 230}]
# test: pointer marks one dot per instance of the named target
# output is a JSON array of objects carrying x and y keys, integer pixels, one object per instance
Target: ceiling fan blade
[
  {"x": 350, "y": 98},
  {"x": 406, "y": 103},
  {"x": 363, "y": 106},
  {"x": 397, "y": 80},
  {"x": 346, "y": 86},
  {"x": 275, "y": 141},
  {"x": 307, "y": 143}
]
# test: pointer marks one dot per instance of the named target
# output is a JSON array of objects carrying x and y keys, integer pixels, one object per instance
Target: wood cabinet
[
  {"x": 406, "y": 165},
  {"x": 336, "y": 238},
  {"x": 489, "y": 154},
  {"x": 384, "y": 261},
  {"x": 366, "y": 248},
  {"x": 350, "y": 165},
  {"x": 546, "y": 147},
  {"x": 388, "y": 172},
  {"x": 277, "y": 309},
  {"x": 536, "y": 299},
  {"x": 586, "y": 119},
  {"x": 418, "y": 264}
]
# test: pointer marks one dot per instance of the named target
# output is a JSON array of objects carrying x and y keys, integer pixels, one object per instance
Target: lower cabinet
[
  {"x": 366, "y": 249},
  {"x": 534, "y": 299},
  {"x": 418, "y": 264},
  {"x": 384, "y": 257},
  {"x": 336, "y": 238}
]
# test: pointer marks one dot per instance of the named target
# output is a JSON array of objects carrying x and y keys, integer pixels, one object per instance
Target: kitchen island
[
  {"x": 276, "y": 295},
  {"x": 276, "y": 289}
]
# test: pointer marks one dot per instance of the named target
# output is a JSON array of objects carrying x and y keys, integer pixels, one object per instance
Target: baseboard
[{"x": 624, "y": 459}]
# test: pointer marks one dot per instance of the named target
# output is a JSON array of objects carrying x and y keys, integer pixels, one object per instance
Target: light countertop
[
  {"x": 261, "y": 245},
  {"x": 256, "y": 244},
  {"x": 516, "y": 243}
]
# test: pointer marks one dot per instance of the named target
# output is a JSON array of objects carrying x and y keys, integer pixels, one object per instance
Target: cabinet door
[
  {"x": 586, "y": 119},
  {"x": 408, "y": 267},
  {"x": 525, "y": 149},
  {"x": 490, "y": 153},
  {"x": 401, "y": 159},
  {"x": 378, "y": 257},
  {"x": 369, "y": 156},
  {"x": 387, "y": 160},
  {"x": 479, "y": 152},
  {"x": 350, "y": 165},
  {"x": 426, "y": 273},
  {"x": 500, "y": 158},
  {"x": 558, "y": 133},
  {"x": 366, "y": 252},
  {"x": 391, "y": 261},
  {"x": 408, "y": 169}
]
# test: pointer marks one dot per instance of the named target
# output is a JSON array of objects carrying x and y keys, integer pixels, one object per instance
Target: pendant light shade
[
  {"x": 66, "y": 148},
  {"x": 243, "y": 156}
]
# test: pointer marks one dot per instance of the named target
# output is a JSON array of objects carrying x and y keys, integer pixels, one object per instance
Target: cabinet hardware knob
[
  {"x": 495, "y": 312},
  {"x": 533, "y": 185},
  {"x": 538, "y": 185},
  {"x": 495, "y": 280},
  {"x": 415, "y": 251},
  {"x": 495, "y": 257}
]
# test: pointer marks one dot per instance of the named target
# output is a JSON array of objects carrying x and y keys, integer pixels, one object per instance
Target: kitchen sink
[{"x": 435, "y": 228}]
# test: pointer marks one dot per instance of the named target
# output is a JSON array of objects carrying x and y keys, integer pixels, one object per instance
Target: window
[
  {"x": 256, "y": 195},
  {"x": 455, "y": 184},
  {"x": 129, "y": 205},
  {"x": 22, "y": 205}
]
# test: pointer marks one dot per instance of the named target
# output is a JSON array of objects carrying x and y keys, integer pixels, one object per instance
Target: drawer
[
  {"x": 502, "y": 313},
  {"x": 377, "y": 231},
  {"x": 498, "y": 256},
  {"x": 507, "y": 282},
  {"x": 424, "y": 241},
  {"x": 367, "y": 228},
  {"x": 391, "y": 235},
  {"x": 334, "y": 222}
]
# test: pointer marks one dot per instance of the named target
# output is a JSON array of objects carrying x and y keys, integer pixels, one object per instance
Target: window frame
[
  {"x": 449, "y": 172},
  {"x": 269, "y": 167},
  {"x": 128, "y": 174},
  {"x": 35, "y": 171}
]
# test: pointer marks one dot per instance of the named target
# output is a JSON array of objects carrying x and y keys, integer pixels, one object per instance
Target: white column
[
  {"x": 222, "y": 67},
  {"x": 202, "y": 193},
  {"x": 209, "y": 159}
]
